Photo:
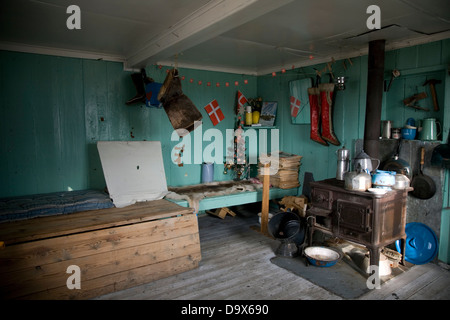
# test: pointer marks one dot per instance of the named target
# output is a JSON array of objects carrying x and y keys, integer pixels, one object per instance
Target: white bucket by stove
[
  {"x": 384, "y": 265},
  {"x": 259, "y": 217}
]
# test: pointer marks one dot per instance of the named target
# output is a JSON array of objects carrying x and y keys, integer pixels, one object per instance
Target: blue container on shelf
[
  {"x": 409, "y": 133},
  {"x": 411, "y": 122}
]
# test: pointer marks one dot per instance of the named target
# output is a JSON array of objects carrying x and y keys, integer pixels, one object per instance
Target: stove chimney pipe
[{"x": 374, "y": 98}]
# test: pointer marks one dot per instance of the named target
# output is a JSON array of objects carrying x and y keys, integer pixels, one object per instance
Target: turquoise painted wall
[
  {"x": 348, "y": 115},
  {"x": 417, "y": 64},
  {"x": 55, "y": 109}
]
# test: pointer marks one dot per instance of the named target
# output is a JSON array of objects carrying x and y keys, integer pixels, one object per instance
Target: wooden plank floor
[{"x": 236, "y": 265}]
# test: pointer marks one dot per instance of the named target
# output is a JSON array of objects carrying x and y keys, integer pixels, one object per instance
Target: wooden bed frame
[{"x": 114, "y": 249}]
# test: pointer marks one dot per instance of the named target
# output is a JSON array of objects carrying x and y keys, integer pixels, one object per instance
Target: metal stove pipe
[{"x": 375, "y": 80}]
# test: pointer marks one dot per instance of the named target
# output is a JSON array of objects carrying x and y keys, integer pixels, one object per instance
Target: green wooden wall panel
[
  {"x": 429, "y": 53},
  {"x": 406, "y": 58},
  {"x": 44, "y": 134},
  {"x": 347, "y": 115},
  {"x": 49, "y": 131},
  {"x": 53, "y": 110},
  {"x": 96, "y": 118},
  {"x": 46, "y": 114},
  {"x": 72, "y": 124},
  {"x": 17, "y": 125},
  {"x": 445, "y": 51}
]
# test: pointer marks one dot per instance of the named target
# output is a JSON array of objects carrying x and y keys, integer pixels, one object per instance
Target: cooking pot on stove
[
  {"x": 383, "y": 179},
  {"x": 401, "y": 182},
  {"x": 362, "y": 162},
  {"x": 357, "y": 181}
]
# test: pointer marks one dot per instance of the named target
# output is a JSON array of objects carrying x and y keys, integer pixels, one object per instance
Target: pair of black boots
[{"x": 139, "y": 79}]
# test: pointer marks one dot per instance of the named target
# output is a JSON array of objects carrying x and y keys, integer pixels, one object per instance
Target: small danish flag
[
  {"x": 295, "y": 106},
  {"x": 214, "y": 112},
  {"x": 241, "y": 101}
]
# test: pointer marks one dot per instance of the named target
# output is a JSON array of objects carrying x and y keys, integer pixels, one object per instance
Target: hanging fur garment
[
  {"x": 314, "y": 103},
  {"x": 326, "y": 112},
  {"x": 181, "y": 111}
]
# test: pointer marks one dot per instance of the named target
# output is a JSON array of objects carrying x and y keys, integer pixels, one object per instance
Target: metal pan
[
  {"x": 424, "y": 187},
  {"x": 398, "y": 165},
  {"x": 441, "y": 155}
]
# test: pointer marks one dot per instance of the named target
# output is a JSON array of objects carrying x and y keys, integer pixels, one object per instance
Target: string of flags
[
  {"x": 208, "y": 83},
  {"x": 215, "y": 113},
  {"x": 327, "y": 68}
]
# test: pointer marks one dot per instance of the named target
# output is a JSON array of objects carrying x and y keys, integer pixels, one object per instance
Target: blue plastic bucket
[{"x": 207, "y": 172}]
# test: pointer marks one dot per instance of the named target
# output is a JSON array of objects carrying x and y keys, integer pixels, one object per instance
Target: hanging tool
[
  {"x": 409, "y": 102},
  {"x": 432, "y": 83},
  {"x": 395, "y": 74}
]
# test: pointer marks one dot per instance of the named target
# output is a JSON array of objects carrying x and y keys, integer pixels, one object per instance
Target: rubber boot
[
  {"x": 313, "y": 94},
  {"x": 326, "y": 103},
  {"x": 140, "y": 90}
]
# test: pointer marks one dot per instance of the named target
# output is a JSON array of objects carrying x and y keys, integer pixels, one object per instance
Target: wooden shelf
[{"x": 259, "y": 127}]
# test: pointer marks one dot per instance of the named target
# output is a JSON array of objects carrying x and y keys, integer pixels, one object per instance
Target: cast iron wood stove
[{"x": 374, "y": 221}]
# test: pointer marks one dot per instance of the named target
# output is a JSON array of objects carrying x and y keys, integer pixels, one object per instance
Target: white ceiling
[{"x": 241, "y": 36}]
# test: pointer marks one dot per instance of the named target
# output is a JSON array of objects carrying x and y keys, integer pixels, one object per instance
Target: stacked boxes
[{"x": 286, "y": 177}]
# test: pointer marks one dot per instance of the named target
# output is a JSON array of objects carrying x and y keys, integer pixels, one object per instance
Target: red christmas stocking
[
  {"x": 313, "y": 94},
  {"x": 326, "y": 101}
]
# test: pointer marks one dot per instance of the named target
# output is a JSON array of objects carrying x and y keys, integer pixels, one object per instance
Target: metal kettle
[
  {"x": 343, "y": 163},
  {"x": 362, "y": 162}
]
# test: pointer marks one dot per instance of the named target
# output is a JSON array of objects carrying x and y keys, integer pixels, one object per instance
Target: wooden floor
[{"x": 236, "y": 265}]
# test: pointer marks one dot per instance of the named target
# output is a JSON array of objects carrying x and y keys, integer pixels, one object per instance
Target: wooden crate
[{"x": 114, "y": 248}]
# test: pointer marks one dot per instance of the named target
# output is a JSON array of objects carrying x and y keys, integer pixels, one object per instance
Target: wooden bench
[
  {"x": 236, "y": 199},
  {"x": 114, "y": 248}
]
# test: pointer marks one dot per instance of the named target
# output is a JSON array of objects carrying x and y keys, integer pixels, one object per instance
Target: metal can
[
  {"x": 396, "y": 133},
  {"x": 386, "y": 129}
]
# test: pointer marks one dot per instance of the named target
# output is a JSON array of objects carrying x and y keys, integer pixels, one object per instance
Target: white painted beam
[
  {"x": 53, "y": 51},
  {"x": 213, "y": 19},
  {"x": 351, "y": 53}
]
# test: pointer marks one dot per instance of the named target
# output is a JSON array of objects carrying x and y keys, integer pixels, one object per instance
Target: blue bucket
[{"x": 207, "y": 172}]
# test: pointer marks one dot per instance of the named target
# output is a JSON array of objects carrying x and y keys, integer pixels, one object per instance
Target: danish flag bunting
[
  {"x": 241, "y": 101},
  {"x": 295, "y": 106},
  {"x": 214, "y": 112}
]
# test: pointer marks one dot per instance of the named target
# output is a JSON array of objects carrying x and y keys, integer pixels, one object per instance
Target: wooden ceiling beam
[{"x": 211, "y": 20}]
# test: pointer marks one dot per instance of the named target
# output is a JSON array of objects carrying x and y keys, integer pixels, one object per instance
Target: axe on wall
[{"x": 432, "y": 83}]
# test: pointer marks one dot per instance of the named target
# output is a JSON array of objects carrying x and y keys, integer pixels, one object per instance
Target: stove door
[
  {"x": 352, "y": 215},
  {"x": 322, "y": 198}
]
